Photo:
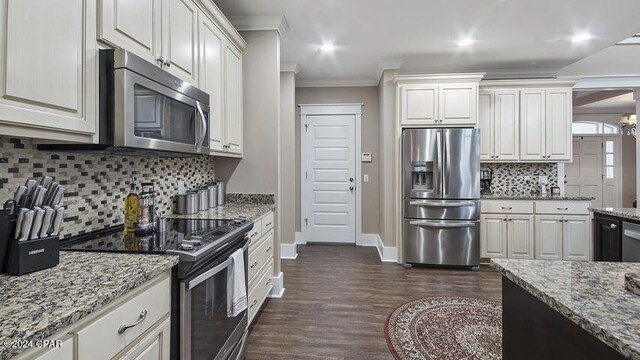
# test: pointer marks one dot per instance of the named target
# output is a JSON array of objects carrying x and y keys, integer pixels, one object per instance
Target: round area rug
[{"x": 446, "y": 327}]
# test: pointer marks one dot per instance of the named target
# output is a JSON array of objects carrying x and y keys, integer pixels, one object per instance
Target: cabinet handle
[
  {"x": 160, "y": 60},
  {"x": 253, "y": 304},
  {"x": 255, "y": 233},
  {"x": 268, "y": 249},
  {"x": 255, "y": 263},
  {"x": 167, "y": 63},
  {"x": 507, "y": 208},
  {"x": 614, "y": 226},
  {"x": 268, "y": 282},
  {"x": 563, "y": 208},
  {"x": 268, "y": 224},
  {"x": 123, "y": 328}
]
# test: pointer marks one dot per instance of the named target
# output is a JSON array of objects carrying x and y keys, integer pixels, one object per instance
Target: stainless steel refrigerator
[{"x": 441, "y": 182}]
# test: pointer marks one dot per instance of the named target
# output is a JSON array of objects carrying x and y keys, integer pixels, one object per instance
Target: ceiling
[{"x": 511, "y": 35}]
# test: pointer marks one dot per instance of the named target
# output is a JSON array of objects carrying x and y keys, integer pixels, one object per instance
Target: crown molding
[
  {"x": 613, "y": 82},
  {"x": 521, "y": 74},
  {"x": 529, "y": 83},
  {"x": 290, "y": 66},
  {"x": 386, "y": 65},
  {"x": 337, "y": 82},
  {"x": 454, "y": 77},
  {"x": 261, "y": 23}
]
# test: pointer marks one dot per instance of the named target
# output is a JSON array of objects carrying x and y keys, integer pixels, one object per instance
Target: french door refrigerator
[{"x": 441, "y": 182}]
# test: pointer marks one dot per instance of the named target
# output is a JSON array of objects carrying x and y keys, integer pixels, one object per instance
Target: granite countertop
[
  {"x": 534, "y": 197},
  {"x": 591, "y": 294},
  {"x": 250, "y": 210},
  {"x": 625, "y": 213},
  {"x": 37, "y": 305}
]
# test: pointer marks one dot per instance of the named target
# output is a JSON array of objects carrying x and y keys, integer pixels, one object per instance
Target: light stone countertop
[
  {"x": 591, "y": 294},
  {"x": 37, "y": 305},
  {"x": 250, "y": 210},
  {"x": 534, "y": 197},
  {"x": 625, "y": 213}
]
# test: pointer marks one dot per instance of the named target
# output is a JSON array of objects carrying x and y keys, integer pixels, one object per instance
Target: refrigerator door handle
[
  {"x": 443, "y": 224},
  {"x": 438, "y": 165},
  {"x": 442, "y": 204},
  {"x": 445, "y": 164}
]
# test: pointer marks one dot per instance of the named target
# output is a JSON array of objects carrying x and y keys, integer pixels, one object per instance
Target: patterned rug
[{"x": 446, "y": 327}]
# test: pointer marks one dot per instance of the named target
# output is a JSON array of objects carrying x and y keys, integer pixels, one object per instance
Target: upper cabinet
[
  {"x": 48, "y": 68},
  {"x": 180, "y": 39},
  {"x": 233, "y": 100},
  {"x": 529, "y": 123},
  {"x": 212, "y": 45},
  {"x": 438, "y": 100}
]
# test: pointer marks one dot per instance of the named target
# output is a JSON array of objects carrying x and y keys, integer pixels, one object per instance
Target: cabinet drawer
[
  {"x": 506, "y": 207},
  {"x": 562, "y": 207},
  {"x": 267, "y": 222},
  {"x": 260, "y": 290},
  {"x": 64, "y": 352},
  {"x": 102, "y": 336},
  {"x": 260, "y": 255},
  {"x": 255, "y": 234}
]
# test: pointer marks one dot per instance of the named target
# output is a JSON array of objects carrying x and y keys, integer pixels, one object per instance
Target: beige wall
[
  {"x": 257, "y": 171},
  {"x": 369, "y": 96},
  {"x": 628, "y": 170},
  {"x": 387, "y": 121},
  {"x": 288, "y": 165}
]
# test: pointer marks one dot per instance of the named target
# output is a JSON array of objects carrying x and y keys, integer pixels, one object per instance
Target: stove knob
[
  {"x": 238, "y": 221},
  {"x": 196, "y": 242},
  {"x": 186, "y": 247}
]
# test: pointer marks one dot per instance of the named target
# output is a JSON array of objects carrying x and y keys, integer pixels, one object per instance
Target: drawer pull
[
  {"x": 564, "y": 208},
  {"x": 254, "y": 234},
  {"x": 268, "y": 224},
  {"x": 268, "y": 249},
  {"x": 507, "y": 208},
  {"x": 255, "y": 263},
  {"x": 253, "y": 304},
  {"x": 123, "y": 328}
]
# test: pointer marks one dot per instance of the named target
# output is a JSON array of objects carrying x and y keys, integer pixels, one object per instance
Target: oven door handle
[
  {"x": 203, "y": 128},
  {"x": 210, "y": 273},
  {"x": 438, "y": 224}
]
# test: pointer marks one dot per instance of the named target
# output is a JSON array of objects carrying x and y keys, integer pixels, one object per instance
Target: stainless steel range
[
  {"x": 201, "y": 327},
  {"x": 441, "y": 181}
]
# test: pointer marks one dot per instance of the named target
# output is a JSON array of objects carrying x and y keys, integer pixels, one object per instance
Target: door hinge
[
  {"x": 306, "y": 127},
  {"x": 306, "y": 175},
  {"x": 306, "y": 221}
]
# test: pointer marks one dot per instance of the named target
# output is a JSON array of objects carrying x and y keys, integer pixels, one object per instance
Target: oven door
[
  {"x": 206, "y": 332},
  {"x": 149, "y": 115}
]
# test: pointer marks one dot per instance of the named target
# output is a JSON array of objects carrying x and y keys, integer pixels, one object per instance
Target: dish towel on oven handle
[{"x": 236, "y": 285}]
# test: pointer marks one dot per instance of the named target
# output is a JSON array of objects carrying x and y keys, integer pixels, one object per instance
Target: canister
[
  {"x": 188, "y": 203},
  {"x": 203, "y": 199},
  {"x": 222, "y": 192},
  {"x": 213, "y": 196}
]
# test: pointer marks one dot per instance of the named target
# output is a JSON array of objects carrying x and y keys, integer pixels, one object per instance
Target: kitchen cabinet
[
  {"x": 499, "y": 120},
  {"x": 549, "y": 234},
  {"x": 63, "y": 352},
  {"x": 607, "y": 238},
  {"x": 520, "y": 237},
  {"x": 48, "y": 68},
  {"x": 260, "y": 263},
  {"x": 212, "y": 45},
  {"x": 559, "y": 110},
  {"x": 180, "y": 39},
  {"x": 575, "y": 237},
  {"x": 233, "y": 100},
  {"x": 154, "y": 346},
  {"x": 438, "y": 100},
  {"x": 506, "y": 235}
]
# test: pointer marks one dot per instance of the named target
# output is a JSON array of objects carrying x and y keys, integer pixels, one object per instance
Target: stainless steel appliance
[
  {"x": 144, "y": 108},
  {"x": 630, "y": 242},
  {"x": 201, "y": 327},
  {"x": 486, "y": 176},
  {"x": 441, "y": 182}
]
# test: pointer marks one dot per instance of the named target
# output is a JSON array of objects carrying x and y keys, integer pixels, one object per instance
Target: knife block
[{"x": 23, "y": 257}]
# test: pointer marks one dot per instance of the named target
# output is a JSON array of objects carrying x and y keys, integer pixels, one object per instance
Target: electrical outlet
[
  {"x": 181, "y": 188},
  {"x": 543, "y": 179},
  {"x": 365, "y": 178}
]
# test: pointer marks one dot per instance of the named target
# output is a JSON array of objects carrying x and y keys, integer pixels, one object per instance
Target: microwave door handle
[
  {"x": 208, "y": 274},
  {"x": 203, "y": 128}
]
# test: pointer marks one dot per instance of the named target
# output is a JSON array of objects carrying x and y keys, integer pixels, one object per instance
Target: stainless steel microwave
[{"x": 144, "y": 107}]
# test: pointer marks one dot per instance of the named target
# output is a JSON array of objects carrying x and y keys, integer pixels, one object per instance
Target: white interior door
[{"x": 330, "y": 144}]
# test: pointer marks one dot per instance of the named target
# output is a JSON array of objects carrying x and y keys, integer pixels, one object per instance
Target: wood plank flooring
[{"x": 337, "y": 300}]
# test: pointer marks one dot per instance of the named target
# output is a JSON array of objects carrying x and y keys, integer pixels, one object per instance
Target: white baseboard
[
  {"x": 369, "y": 240},
  {"x": 387, "y": 253},
  {"x": 278, "y": 286},
  {"x": 288, "y": 251},
  {"x": 300, "y": 238}
]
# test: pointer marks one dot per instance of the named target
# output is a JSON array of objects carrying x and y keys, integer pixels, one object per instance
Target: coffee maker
[{"x": 485, "y": 181}]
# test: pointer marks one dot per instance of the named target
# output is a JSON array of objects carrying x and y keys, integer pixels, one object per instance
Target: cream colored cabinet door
[
  {"x": 63, "y": 352},
  {"x": 532, "y": 124},
  {"x": 180, "y": 39},
  {"x": 548, "y": 237},
  {"x": 493, "y": 235},
  {"x": 48, "y": 69},
  {"x": 211, "y": 78},
  {"x": 520, "y": 237},
  {"x": 154, "y": 346},
  {"x": 418, "y": 105},
  {"x": 576, "y": 238},
  {"x": 558, "y": 124},
  {"x": 133, "y": 26},
  {"x": 506, "y": 128},
  {"x": 486, "y": 113},
  {"x": 458, "y": 104},
  {"x": 233, "y": 100}
]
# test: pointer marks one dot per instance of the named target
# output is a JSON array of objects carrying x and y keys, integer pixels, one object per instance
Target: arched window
[{"x": 593, "y": 128}]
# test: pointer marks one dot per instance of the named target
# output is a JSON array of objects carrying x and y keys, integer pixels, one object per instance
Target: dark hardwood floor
[{"x": 338, "y": 297}]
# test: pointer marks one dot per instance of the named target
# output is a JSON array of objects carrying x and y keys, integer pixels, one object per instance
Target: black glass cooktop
[{"x": 179, "y": 235}]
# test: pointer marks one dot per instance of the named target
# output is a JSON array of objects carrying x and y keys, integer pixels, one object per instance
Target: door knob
[
  {"x": 350, "y": 179},
  {"x": 351, "y": 188}
]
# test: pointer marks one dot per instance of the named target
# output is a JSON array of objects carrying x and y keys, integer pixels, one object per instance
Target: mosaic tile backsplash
[
  {"x": 508, "y": 179},
  {"x": 97, "y": 184}
]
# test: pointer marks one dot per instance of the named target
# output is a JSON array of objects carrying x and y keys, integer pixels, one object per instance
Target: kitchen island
[{"x": 568, "y": 310}]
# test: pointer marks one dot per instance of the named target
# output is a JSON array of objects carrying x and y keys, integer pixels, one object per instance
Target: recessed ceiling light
[
  {"x": 581, "y": 38},
  {"x": 465, "y": 42},
  {"x": 327, "y": 47}
]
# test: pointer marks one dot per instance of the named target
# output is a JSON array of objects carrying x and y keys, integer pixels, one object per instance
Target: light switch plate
[
  {"x": 366, "y": 157},
  {"x": 181, "y": 188},
  {"x": 365, "y": 178},
  {"x": 543, "y": 179}
]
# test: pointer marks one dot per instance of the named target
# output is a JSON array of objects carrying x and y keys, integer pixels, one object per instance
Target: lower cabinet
[
  {"x": 137, "y": 326},
  {"x": 548, "y": 230},
  {"x": 260, "y": 263},
  {"x": 607, "y": 238}
]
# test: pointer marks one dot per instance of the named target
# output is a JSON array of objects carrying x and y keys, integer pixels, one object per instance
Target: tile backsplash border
[{"x": 96, "y": 184}]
